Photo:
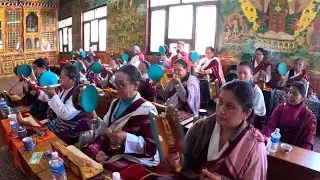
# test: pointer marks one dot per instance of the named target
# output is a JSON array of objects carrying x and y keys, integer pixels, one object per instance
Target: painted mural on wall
[
  {"x": 126, "y": 25},
  {"x": 126, "y": 21},
  {"x": 286, "y": 28}
]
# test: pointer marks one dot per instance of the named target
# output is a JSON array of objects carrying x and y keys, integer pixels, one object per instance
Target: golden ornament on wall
[
  {"x": 7, "y": 67},
  {"x": 18, "y": 62}
]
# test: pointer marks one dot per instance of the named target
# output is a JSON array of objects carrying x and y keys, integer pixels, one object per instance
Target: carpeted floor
[{"x": 8, "y": 171}]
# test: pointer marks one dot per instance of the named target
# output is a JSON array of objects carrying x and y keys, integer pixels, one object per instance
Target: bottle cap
[
  {"x": 202, "y": 112},
  {"x": 12, "y": 116},
  {"x": 116, "y": 176},
  {"x": 54, "y": 154}
]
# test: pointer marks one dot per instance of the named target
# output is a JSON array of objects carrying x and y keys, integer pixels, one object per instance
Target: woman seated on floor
[
  {"x": 261, "y": 67},
  {"x": 297, "y": 73},
  {"x": 225, "y": 145},
  {"x": 105, "y": 79},
  {"x": 63, "y": 118},
  {"x": 183, "y": 90},
  {"x": 296, "y": 121},
  {"x": 211, "y": 65},
  {"x": 124, "y": 136},
  {"x": 38, "y": 109},
  {"x": 244, "y": 72}
]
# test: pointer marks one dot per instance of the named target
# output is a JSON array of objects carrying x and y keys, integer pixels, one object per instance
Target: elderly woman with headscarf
[{"x": 138, "y": 56}]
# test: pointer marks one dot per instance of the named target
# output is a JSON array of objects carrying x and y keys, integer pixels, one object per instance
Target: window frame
[
  {"x": 61, "y": 29},
  {"x": 83, "y": 22},
  {"x": 191, "y": 41},
  {"x": 13, "y": 30}
]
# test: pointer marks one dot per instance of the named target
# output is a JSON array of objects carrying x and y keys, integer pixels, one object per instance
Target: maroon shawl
[
  {"x": 93, "y": 78},
  {"x": 214, "y": 66},
  {"x": 185, "y": 57},
  {"x": 302, "y": 76},
  {"x": 137, "y": 125},
  {"x": 261, "y": 66},
  {"x": 302, "y": 130}
]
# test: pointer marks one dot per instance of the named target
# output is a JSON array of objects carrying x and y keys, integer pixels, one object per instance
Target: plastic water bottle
[
  {"x": 13, "y": 125},
  {"x": 3, "y": 106},
  {"x": 274, "y": 141},
  {"x": 57, "y": 167},
  {"x": 116, "y": 176}
]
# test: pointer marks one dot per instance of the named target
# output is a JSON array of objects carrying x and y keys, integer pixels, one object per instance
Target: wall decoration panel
[
  {"x": 286, "y": 29},
  {"x": 7, "y": 67},
  {"x": 28, "y": 30},
  {"x": 126, "y": 29}
]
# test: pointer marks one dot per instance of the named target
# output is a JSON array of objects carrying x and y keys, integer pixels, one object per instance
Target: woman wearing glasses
[{"x": 124, "y": 136}]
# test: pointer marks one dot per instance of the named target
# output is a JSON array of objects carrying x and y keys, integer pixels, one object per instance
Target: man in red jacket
[{"x": 181, "y": 54}]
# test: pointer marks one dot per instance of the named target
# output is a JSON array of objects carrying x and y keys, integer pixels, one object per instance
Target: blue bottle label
[
  {"x": 57, "y": 169},
  {"x": 275, "y": 140},
  {"x": 14, "y": 126}
]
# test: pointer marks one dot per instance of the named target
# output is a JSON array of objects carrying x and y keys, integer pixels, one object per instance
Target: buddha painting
[
  {"x": 234, "y": 29},
  {"x": 32, "y": 22}
]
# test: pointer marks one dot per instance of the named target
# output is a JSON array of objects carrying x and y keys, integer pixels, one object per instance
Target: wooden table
[
  {"x": 298, "y": 164},
  {"x": 41, "y": 170}
]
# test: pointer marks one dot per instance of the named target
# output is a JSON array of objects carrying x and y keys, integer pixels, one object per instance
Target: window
[
  {"x": 48, "y": 30},
  {"x": 95, "y": 29},
  {"x": 191, "y": 21},
  {"x": 65, "y": 35},
  {"x": 13, "y": 30}
]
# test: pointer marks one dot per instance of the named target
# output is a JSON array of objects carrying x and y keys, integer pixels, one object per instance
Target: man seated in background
[
  {"x": 63, "y": 118},
  {"x": 244, "y": 72},
  {"x": 180, "y": 54}
]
